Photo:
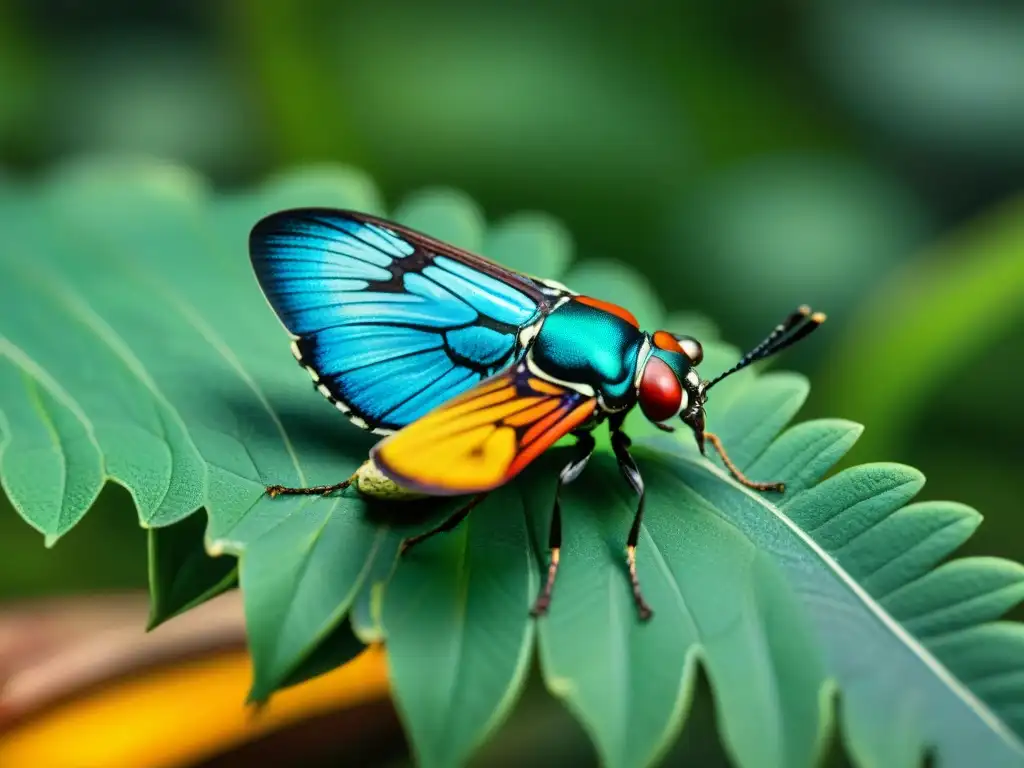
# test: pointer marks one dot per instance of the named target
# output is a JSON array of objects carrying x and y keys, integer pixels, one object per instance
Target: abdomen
[{"x": 373, "y": 483}]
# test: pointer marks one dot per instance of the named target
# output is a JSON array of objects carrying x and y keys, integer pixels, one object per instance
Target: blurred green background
[{"x": 745, "y": 155}]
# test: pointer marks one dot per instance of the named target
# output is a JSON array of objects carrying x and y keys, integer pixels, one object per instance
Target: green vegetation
[{"x": 154, "y": 363}]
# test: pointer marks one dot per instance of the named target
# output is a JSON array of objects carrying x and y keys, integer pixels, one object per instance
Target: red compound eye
[{"x": 660, "y": 391}]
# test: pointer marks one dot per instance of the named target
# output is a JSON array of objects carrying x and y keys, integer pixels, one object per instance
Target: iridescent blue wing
[{"x": 389, "y": 322}]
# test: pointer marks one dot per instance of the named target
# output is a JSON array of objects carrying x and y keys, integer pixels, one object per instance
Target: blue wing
[{"x": 389, "y": 322}]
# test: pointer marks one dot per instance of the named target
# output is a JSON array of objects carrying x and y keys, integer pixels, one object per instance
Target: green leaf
[
  {"x": 366, "y": 615},
  {"x": 337, "y": 648},
  {"x": 287, "y": 575},
  {"x": 715, "y": 597},
  {"x": 908, "y": 544},
  {"x": 143, "y": 444},
  {"x": 818, "y": 536},
  {"x": 135, "y": 346},
  {"x": 753, "y": 421},
  {"x": 48, "y": 453},
  {"x": 803, "y": 454},
  {"x": 904, "y": 683},
  {"x": 182, "y": 574},
  {"x": 459, "y": 640}
]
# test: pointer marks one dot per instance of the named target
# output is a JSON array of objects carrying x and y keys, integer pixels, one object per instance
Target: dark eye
[
  {"x": 691, "y": 348},
  {"x": 661, "y": 394}
]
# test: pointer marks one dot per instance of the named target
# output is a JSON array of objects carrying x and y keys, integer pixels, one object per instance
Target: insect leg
[
  {"x": 448, "y": 524},
  {"x": 735, "y": 471},
  {"x": 584, "y": 449},
  {"x": 315, "y": 490},
  {"x": 620, "y": 444}
]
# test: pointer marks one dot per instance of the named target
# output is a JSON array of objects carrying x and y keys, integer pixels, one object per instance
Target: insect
[{"x": 472, "y": 369}]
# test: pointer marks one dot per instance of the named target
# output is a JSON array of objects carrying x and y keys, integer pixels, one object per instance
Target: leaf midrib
[{"x": 891, "y": 625}]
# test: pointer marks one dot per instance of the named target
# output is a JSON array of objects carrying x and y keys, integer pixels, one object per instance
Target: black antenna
[{"x": 797, "y": 326}]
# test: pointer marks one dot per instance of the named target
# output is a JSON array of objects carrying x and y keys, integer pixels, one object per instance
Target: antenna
[{"x": 797, "y": 326}]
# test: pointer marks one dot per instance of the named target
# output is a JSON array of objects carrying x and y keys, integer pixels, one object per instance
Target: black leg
[
  {"x": 315, "y": 490},
  {"x": 449, "y": 523},
  {"x": 584, "y": 448},
  {"x": 620, "y": 444}
]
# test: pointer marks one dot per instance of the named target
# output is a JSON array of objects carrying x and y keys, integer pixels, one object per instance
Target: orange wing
[{"x": 483, "y": 438}]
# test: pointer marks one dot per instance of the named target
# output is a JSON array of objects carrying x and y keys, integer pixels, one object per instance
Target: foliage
[
  {"x": 938, "y": 312},
  {"x": 135, "y": 347}
]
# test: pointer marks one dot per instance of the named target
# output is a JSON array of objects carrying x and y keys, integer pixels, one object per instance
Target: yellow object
[
  {"x": 171, "y": 717},
  {"x": 483, "y": 438}
]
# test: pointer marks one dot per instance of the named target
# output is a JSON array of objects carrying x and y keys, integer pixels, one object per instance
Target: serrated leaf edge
[
  {"x": 934, "y": 665},
  {"x": 24, "y": 361}
]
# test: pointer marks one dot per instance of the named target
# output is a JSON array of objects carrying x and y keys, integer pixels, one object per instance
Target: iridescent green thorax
[{"x": 585, "y": 344}]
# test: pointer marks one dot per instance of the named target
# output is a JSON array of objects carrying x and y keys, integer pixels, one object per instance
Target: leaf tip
[
  {"x": 853, "y": 427},
  {"x": 255, "y": 708},
  {"x": 902, "y": 474},
  {"x": 154, "y": 619}
]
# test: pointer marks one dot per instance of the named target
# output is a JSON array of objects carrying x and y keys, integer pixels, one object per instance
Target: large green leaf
[
  {"x": 182, "y": 574},
  {"x": 715, "y": 597},
  {"x": 459, "y": 641},
  {"x": 135, "y": 347}
]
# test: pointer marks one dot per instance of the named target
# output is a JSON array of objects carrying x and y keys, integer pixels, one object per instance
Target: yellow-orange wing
[{"x": 483, "y": 438}]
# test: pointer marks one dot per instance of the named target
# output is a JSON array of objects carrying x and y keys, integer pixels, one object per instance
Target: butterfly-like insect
[{"x": 471, "y": 368}]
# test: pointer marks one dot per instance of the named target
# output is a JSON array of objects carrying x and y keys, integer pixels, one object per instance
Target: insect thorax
[{"x": 586, "y": 345}]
